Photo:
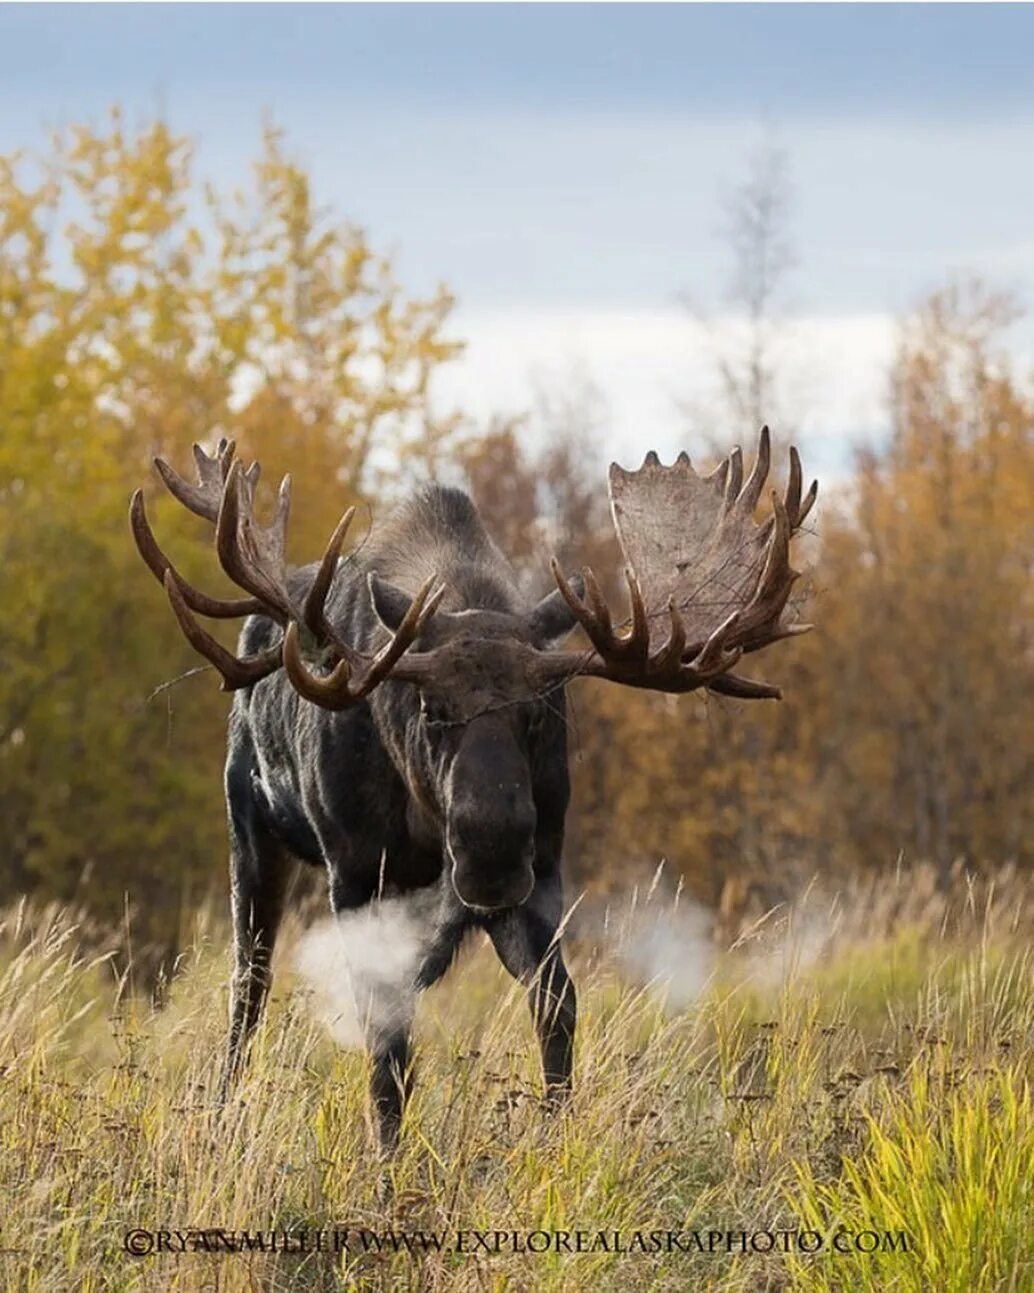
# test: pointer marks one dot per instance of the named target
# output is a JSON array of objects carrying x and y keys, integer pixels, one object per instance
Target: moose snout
[
  {"x": 491, "y": 819},
  {"x": 492, "y": 871}
]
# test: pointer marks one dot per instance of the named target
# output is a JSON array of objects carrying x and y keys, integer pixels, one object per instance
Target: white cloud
[{"x": 648, "y": 362}]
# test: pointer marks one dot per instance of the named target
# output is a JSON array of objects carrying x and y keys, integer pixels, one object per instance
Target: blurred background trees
[
  {"x": 140, "y": 310},
  {"x": 926, "y": 683}
]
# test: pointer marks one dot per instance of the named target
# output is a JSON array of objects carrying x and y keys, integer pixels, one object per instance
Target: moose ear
[
  {"x": 390, "y": 603},
  {"x": 552, "y": 618}
]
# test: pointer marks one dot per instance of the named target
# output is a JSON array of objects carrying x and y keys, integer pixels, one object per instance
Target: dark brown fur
[{"x": 458, "y": 790}]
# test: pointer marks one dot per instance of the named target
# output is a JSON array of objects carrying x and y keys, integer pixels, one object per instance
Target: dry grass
[{"x": 878, "y": 1081}]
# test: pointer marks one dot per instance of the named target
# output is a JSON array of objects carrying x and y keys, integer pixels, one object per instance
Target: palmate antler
[
  {"x": 253, "y": 556},
  {"x": 706, "y": 583}
]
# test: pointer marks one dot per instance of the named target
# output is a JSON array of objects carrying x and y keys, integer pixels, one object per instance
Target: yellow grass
[{"x": 874, "y": 1088}]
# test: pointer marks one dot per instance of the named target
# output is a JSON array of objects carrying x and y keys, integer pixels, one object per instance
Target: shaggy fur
[{"x": 458, "y": 790}]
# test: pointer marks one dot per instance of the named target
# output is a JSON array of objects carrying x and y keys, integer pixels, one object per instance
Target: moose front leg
[
  {"x": 390, "y": 1084},
  {"x": 392, "y": 1078},
  {"x": 259, "y": 873},
  {"x": 525, "y": 940}
]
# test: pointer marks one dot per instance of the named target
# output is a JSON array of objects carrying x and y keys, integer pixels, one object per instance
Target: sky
[{"x": 563, "y": 168}]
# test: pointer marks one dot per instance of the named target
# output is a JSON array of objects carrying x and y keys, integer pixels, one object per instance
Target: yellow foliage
[{"x": 138, "y": 313}]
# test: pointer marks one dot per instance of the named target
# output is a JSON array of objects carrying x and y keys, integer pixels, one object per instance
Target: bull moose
[{"x": 399, "y": 713}]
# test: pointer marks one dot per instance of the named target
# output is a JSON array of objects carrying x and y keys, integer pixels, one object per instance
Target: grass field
[{"x": 863, "y": 1084}]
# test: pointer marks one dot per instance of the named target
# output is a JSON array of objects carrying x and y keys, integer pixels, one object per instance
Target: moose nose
[
  {"x": 489, "y": 884},
  {"x": 484, "y": 901}
]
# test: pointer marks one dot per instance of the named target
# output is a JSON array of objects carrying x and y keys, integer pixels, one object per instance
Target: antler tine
[
  {"x": 355, "y": 676},
  {"x": 760, "y": 622},
  {"x": 731, "y": 684},
  {"x": 597, "y": 602},
  {"x": 598, "y": 609},
  {"x": 761, "y": 616},
  {"x": 808, "y": 504},
  {"x": 759, "y": 473},
  {"x": 797, "y": 509},
  {"x": 235, "y": 672},
  {"x": 777, "y": 563},
  {"x": 158, "y": 563},
  {"x": 776, "y": 635},
  {"x": 332, "y": 692},
  {"x": 595, "y": 621},
  {"x": 793, "y": 486},
  {"x": 253, "y": 555},
  {"x": 422, "y": 607},
  {"x": 212, "y": 468},
  {"x": 204, "y": 498},
  {"x": 734, "y": 479},
  {"x": 313, "y": 609},
  {"x": 670, "y": 655},
  {"x": 720, "y": 474},
  {"x": 637, "y": 644}
]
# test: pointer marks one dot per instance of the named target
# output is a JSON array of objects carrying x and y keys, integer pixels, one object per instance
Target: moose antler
[
  {"x": 253, "y": 556},
  {"x": 203, "y": 499},
  {"x": 706, "y": 583}
]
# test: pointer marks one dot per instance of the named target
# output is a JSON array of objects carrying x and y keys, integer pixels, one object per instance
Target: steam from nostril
[
  {"x": 670, "y": 949},
  {"x": 361, "y": 968}
]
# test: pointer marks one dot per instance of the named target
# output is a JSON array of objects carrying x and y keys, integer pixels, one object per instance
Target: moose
[{"x": 398, "y": 713}]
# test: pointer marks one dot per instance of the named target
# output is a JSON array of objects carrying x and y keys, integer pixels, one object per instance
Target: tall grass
[{"x": 864, "y": 1083}]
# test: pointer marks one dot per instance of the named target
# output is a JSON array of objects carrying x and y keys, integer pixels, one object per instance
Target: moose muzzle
[{"x": 490, "y": 829}]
